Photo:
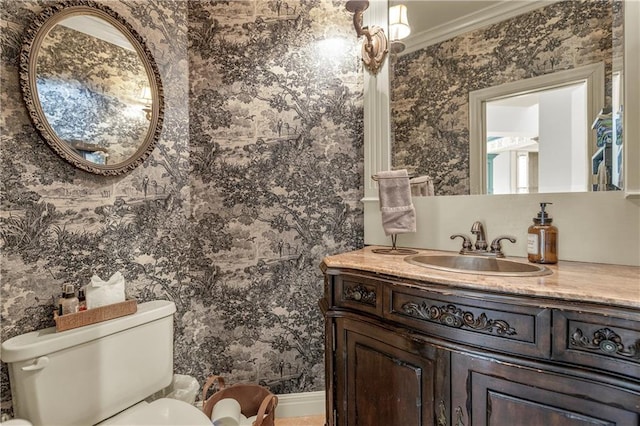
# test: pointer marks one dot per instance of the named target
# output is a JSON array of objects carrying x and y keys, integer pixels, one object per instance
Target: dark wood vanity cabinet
[
  {"x": 509, "y": 393},
  {"x": 387, "y": 378},
  {"x": 403, "y": 353}
]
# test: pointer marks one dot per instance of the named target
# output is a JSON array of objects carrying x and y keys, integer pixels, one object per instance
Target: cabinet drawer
[
  {"x": 358, "y": 293},
  {"x": 602, "y": 342},
  {"x": 500, "y": 326}
]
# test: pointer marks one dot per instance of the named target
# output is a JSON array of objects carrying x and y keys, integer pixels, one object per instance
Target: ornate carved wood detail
[
  {"x": 607, "y": 342},
  {"x": 33, "y": 38},
  {"x": 452, "y": 316},
  {"x": 361, "y": 294},
  {"x": 459, "y": 417},
  {"x": 441, "y": 416}
]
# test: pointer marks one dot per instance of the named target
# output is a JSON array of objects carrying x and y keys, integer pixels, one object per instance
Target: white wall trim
[
  {"x": 377, "y": 115},
  {"x": 593, "y": 74},
  {"x": 98, "y": 28},
  {"x": 301, "y": 404},
  {"x": 631, "y": 99},
  {"x": 473, "y": 21}
]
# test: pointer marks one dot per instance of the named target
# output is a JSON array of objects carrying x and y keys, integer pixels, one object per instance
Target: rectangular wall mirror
[{"x": 494, "y": 97}]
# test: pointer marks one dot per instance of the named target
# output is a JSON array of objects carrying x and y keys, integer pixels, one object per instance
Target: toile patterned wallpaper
[
  {"x": 430, "y": 87},
  {"x": 256, "y": 177},
  {"x": 90, "y": 91}
]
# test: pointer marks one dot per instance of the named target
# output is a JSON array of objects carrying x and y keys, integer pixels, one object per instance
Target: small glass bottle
[
  {"x": 60, "y": 301},
  {"x": 69, "y": 300},
  {"x": 82, "y": 300},
  {"x": 542, "y": 239}
]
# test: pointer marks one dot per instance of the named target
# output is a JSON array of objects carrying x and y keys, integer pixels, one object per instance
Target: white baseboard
[{"x": 301, "y": 404}]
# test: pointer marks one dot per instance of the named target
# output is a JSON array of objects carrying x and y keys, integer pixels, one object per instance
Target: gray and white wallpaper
[
  {"x": 91, "y": 92},
  {"x": 430, "y": 87},
  {"x": 256, "y": 177}
]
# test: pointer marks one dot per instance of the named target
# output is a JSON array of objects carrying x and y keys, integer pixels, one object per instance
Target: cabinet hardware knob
[{"x": 606, "y": 341}]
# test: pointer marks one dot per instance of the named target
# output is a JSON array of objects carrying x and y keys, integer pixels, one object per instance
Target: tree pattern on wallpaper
[
  {"x": 276, "y": 160},
  {"x": 256, "y": 177},
  {"x": 61, "y": 225},
  {"x": 90, "y": 91},
  {"x": 430, "y": 87}
]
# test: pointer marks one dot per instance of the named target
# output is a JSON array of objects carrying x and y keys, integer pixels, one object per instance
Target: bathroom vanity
[{"x": 410, "y": 345}]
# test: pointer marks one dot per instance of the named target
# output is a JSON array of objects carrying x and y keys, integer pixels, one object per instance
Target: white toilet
[{"x": 99, "y": 373}]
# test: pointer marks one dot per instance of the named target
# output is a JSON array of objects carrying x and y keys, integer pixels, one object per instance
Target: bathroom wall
[
  {"x": 275, "y": 138},
  {"x": 97, "y": 83},
  {"x": 257, "y": 175},
  {"x": 613, "y": 240},
  {"x": 430, "y": 87}
]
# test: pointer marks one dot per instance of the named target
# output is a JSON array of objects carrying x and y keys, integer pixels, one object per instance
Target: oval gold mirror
[{"x": 92, "y": 87}]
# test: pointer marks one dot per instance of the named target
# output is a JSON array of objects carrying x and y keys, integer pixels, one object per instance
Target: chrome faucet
[{"x": 480, "y": 248}]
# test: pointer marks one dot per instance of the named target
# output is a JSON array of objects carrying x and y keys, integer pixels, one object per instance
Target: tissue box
[
  {"x": 104, "y": 313},
  {"x": 101, "y": 293}
]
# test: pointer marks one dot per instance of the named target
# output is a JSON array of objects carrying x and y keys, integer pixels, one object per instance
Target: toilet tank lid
[{"x": 47, "y": 341}]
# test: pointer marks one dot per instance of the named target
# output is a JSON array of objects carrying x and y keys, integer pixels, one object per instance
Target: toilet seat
[
  {"x": 16, "y": 422},
  {"x": 161, "y": 412}
]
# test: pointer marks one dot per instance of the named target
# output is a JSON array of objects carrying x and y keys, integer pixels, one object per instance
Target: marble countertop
[{"x": 575, "y": 281}]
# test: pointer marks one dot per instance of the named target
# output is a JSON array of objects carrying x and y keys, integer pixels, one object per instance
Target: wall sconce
[
  {"x": 374, "y": 48},
  {"x": 145, "y": 95},
  {"x": 398, "y": 27}
]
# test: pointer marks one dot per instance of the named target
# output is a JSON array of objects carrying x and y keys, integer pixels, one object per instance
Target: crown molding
[{"x": 472, "y": 21}]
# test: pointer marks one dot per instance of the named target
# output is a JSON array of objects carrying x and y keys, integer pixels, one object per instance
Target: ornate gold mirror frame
[{"x": 34, "y": 37}]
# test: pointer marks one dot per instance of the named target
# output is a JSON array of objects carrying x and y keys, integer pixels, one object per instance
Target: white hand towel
[
  {"x": 422, "y": 186},
  {"x": 603, "y": 176},
  {"x": 398, "y": 213}
]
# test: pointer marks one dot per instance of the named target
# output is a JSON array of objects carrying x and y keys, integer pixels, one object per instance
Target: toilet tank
[{"x": 85, "y": 375}]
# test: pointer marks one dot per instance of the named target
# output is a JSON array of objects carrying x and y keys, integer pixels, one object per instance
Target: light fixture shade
[
  {"x": 398, "y": 23},
  {"x": 145, "y": 94}
]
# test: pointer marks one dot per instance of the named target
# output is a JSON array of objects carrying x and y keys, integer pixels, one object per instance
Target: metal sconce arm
[{"x": 374, "y": 49}]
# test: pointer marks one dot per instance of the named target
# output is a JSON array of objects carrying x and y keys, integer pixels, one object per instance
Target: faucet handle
[
  {"x": 466, "y": 243},
  {"x": 496, "y": 247}
]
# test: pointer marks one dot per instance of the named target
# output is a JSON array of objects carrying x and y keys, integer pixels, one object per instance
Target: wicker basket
[{"x": 253, "y": 399}]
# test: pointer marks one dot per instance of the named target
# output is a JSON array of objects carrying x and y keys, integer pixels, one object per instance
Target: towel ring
[
  {"x": 394, "y": 237},
  {"x": 376, "y": 177},
  {"x": 394, "y": 249}
]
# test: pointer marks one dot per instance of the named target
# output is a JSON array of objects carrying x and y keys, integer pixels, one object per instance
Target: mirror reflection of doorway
[
  {"x": 562, "y": 103},
  {"x": 537, "y": 142}
]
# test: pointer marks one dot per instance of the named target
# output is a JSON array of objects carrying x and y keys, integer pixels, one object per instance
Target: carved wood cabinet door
[
  {"x": 486, "y": 392},
  {"x": 388, "y": 378}
]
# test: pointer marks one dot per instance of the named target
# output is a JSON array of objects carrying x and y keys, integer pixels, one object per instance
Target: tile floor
[{"x": 301, "y": 421}]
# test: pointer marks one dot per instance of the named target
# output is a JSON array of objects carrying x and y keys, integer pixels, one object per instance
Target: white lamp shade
[
  {"x": 145, "y": 93},
  {"x": 398, "y": 23}
]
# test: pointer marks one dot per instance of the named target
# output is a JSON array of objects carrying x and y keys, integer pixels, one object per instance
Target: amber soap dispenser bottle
[{"x": 542, "y": 238}]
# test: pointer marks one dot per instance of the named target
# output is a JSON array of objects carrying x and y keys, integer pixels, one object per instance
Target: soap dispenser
[{"x": 542, "y": 238}]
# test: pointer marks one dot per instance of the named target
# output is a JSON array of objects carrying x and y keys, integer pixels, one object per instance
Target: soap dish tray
[{"x": 95, "y": 315}]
